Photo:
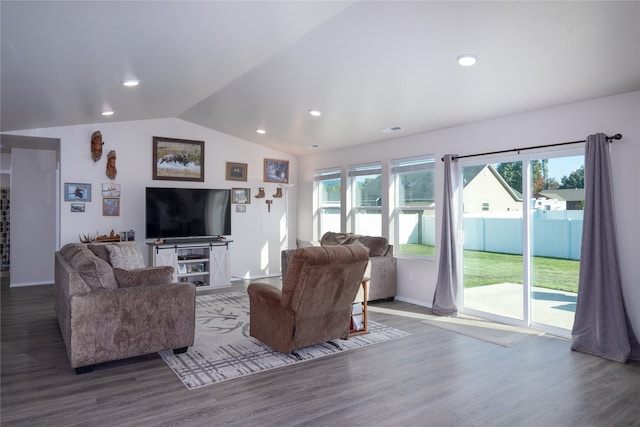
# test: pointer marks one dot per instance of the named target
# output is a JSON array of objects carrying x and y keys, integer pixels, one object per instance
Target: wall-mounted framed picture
[
  {"x": 111, "y": 206},
  {"x": 276, "y": 171},
  {"x": 178, "y": 159},
  {"x": 77, "y": 207},
  {"x": 74, "y": 192},
  {"x": 237, "y": 171},
  {"x": 110, "y": 190},
  {"x": 241, "y": 195},
  {"x": 241, "y": 208}
]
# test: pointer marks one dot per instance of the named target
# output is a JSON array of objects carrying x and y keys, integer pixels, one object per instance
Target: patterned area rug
[
  {"x": 223, "y": 349},
  {"x": 485, "y": 330}
]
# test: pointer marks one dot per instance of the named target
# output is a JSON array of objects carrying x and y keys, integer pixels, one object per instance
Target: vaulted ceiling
[{"x": 368, "y": 66}]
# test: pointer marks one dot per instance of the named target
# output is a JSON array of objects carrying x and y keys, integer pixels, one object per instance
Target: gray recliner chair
[{"x": 314, "y": 305}]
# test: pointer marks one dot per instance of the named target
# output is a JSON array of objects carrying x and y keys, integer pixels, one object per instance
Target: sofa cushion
[
  {"x": 306, "y": 243},
  {"x": 331, "y": 238},
  {"x": 69, "y": 249},
  {"x": 359, "y": 243},
  {"x": 96, "y": 273},
  {"x": 377, "y": 245},
  {"x": 100, "y": 249},
  {"x": 127, "y": 257},
  {"x": 148, "y": 276}
]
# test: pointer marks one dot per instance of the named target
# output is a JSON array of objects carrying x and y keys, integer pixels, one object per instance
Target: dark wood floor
[{"x": 431, "y": 378}]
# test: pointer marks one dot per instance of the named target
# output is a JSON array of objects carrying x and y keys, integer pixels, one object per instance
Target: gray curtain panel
[
  {"x": 601, "y": 326},
  {"x": 444, "y": 298}
]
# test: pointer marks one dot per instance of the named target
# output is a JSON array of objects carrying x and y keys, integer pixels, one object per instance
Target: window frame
[
  {"x": 411, "y": 164},
  {"x": 320, "y": 176},
  {"x": 353, "y": 172}
]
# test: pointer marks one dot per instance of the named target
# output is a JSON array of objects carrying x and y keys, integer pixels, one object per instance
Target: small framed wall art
[
  {"x": 276, "y": 171},
  {"x": 74, "y": 192},
  {"x": 178, "y": 159},
  {"x": 77, "y": 207},
  {"x": 110, "y": 190},
  {"x": 111, "y": 206},
  {"x": 236, "y": 171},
  {"x": 241, "y": 195}
]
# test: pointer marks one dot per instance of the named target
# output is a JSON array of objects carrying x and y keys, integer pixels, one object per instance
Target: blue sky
[{"x": 563, "y": 166}]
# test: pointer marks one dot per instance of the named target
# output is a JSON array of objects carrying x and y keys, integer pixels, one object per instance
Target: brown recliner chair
[{"x": 314, "y": 305}]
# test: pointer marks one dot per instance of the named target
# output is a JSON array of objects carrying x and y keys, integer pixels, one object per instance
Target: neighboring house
[
  {"x": 484, "y": 190},
  {"x": 574, "y": 198},
  {"x": 549, "y": 204}
]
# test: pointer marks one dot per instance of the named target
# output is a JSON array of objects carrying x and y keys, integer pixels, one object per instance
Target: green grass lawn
[{"x": 488, "y": 268}]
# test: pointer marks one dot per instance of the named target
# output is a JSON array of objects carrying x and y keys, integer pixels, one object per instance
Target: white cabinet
[{"x": 205, "y": 264}]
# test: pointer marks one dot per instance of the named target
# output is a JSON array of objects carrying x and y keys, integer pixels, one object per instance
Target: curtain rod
[{"x": 609, "y": 138}]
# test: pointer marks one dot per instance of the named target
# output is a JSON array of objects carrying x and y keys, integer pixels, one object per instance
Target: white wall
[
  {"x": 258, "y": 236},
  {"x": 571, "y": 122}
]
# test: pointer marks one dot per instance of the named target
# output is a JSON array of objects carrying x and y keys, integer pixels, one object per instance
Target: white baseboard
[
  {"x": 23, "y": 284},
  {"x": 415, "y": 301}
]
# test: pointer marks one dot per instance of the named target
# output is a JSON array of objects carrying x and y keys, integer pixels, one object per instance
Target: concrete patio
[{"x": 550, "y": 307}]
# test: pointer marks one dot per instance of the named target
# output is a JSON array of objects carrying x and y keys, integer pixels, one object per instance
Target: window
[
  {"x": 413, "y": 180},
  {"x": 327, "y": 186},
  {"x": 366, "y": 199}
]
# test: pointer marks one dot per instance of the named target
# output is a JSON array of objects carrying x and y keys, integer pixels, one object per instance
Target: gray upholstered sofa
[
  {"x": 381, "y": 269},
  {"x": 109, "y": 312}
]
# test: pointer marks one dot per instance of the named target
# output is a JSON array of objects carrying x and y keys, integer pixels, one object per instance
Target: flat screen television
[{"x": 187, "y": 213}]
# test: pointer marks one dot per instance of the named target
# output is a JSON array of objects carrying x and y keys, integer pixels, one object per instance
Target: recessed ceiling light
[
  {"x": 467, "y": 59},
  {"x": 107, "y": 113},
  {"x": 131, "y": 82},
  {"x": 261, "y": 131},
  {"x": 315, "y": 113}
]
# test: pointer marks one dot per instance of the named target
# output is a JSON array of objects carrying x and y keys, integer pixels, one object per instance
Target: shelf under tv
[{"x": 204, "y": 239}]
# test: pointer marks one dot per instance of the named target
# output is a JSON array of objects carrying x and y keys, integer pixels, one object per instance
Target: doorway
[
  {"x": 30, "y": 166},
  {"x": 522, "y": 224}
]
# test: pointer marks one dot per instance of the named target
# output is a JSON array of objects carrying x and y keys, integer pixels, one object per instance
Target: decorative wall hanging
[
  {"x": 236, "y": 171},
  {"x": 77, "y": 207},
  {"x": 278, "y": 193},
  {"x": 276, "y": 171},
  {"x": 111, "y": 206},
  {"x": 96, "y": 145},
  {"x": 111, "y": 165},
  {"x": 77, "y": 192},
  {"x": 178, "y": 159},
  {"x": 241, "y": 208},
  {"x": 110, "y": 190},
  {"x": 268, "y": 202},
  {"x": 241, "y": 195},
  {"x": 261, "y": 193}
]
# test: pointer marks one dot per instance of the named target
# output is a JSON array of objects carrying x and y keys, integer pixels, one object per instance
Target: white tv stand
[{"x": 205, "y": 263}]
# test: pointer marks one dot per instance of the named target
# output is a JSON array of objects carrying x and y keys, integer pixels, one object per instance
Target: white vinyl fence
[{"x": 556, "y": 234}]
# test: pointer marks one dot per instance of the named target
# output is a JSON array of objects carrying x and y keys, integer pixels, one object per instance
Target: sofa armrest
[
  {"x": 126, "y": 322},
  {"x": 265, "y": 293},
  {"x": 382, "y": 271},
  {"x": 269, "y": 321},
  {"x": 389, "y": 251}
]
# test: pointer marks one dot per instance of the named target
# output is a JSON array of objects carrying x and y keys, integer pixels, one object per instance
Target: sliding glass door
[
  {"x": 492, "y": 224},
  {"x": 556, "y": 236},
  {"x": 522, "y": 224}
]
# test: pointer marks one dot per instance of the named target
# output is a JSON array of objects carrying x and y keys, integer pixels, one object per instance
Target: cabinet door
[
  {"x": 166, "y": 256},
  {"x": 219, "y": 266}
]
